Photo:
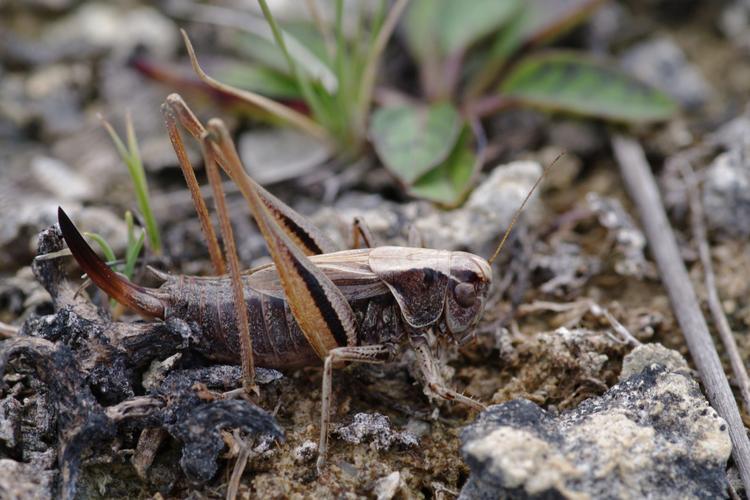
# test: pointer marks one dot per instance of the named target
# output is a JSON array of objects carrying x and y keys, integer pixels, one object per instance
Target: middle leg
[{"x": 378, "y": 353}]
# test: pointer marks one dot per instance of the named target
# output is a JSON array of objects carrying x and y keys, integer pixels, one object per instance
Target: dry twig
[
  {"x": 7, "y": 331},
  {"x": 641, "y": 186},
  {"x": 577, "y": 309},
  {"x": 239, "y": 466},
  {"x": 712, "y": 294}
]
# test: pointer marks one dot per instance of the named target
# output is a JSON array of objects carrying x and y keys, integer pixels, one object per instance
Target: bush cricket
[{"x": 314, "y": 303}]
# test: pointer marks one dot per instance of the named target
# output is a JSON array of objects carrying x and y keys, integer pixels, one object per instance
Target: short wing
[{"x": 349, "y": 270}]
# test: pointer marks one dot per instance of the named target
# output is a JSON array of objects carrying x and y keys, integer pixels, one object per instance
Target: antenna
[{"x": 523, "y": 205}]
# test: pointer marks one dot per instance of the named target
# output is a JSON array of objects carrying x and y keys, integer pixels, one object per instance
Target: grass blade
[
  {"x": 302, "y": 80},
  {"x": 109, "y": 254},
  {"x": 130, "y": 155},
  {"x": 141, "y": 186},
  {"x": 287, "y": 114},
  {"x": 131, "y": 256},
  {"x": 376, "y": 49}
]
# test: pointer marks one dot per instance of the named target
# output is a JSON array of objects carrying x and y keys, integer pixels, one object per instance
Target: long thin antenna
[{"x": 523, "y": 205}]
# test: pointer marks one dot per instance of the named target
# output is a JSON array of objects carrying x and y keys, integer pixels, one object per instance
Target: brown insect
[{"x": 314, "y": 303}]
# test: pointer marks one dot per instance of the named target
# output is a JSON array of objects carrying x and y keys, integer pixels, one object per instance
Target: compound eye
[{"x": 465, "y": 294}]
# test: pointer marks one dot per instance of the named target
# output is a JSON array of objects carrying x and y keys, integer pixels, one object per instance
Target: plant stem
[
  {"x": 139, "y": 179},
  {"x": 132, "y": 158},
  {"x": 712, "y": 295},
  {"x": 488, "y": 105},
  {"x": 371, "y": 65},
  {"x": 109, "y": 254},
  {"x": 322, "y": 27},
  {"x": 287, "y": 114},
  {"x": 301, "y": 78}
]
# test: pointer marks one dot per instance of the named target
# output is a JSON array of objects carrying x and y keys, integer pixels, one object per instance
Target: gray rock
[
  {"x": 629, "y": 241},
  {"x": 375, "y": 429},
  {"x": 609, "y": 25},
  {"x": 106, "y": 25},
  {"x": 733, "y": 134},
  {"x": 25, "y": 481},
  {"x": 387, "y": 486},
  {"x": 49, "y": 97},
  {"x": 10, "y": 421},
  {"x": 562, "y": 269},
  {"x": 305, "y": 452},
  {"x": 26, "y": 211},
  {"x": 475, "y": 227},
  {"x": 726, "y": 193},
  {"x": 734, "y": 23},
  {"x": 60, "y": 180},
  {"x": 278, "y": 154},
  {"x": 488, "y": 211},
  {"x": 662, "y": 63},
  {"x": 646, "y": 355},
  {"x": 652, "y": 435}
]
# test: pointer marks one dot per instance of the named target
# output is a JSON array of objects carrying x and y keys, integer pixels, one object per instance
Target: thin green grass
[
  {"x": 342, "y": 112},
  {"x": 132, "y": 158}
]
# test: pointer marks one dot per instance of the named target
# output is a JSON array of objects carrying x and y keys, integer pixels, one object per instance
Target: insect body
[
  {"x": 312, "y": 303},
  {"x": 413, "y": 298}
]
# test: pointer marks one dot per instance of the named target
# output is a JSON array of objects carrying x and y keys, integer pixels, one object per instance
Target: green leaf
[
  {"x": 411, "y": 140},
  {"x": 420, "y": 22},
  {"x": 565, "y": 81},
  {"x": 260, "y": 80},
  {"x": 308, "y": 36},
  {"x": 545, "y": 20},
  {"x": 536, "y": 22},
  {"x": 448, "y": 184},
  {"x": 132, "y": 158},
  {"x": 446, "y": 26},
  {"x": 464, "y": 23},
  {"x": 257, "y": 42}
]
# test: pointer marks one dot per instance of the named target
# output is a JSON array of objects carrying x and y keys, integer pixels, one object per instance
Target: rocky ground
[{"x": 578, "y": 338}]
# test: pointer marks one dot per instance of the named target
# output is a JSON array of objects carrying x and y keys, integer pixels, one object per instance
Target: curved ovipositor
[{"x": 141, "y": 300}]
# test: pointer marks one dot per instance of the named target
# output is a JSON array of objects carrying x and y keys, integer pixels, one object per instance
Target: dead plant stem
[
  {"x": 287, "y": 114},
  {"x": 239, "y": 467},
  {"x": 712, "y": 294},
  {"x": 370, "y": 69},
  {"x": 641, "y": 186},
  {"x": 7, "y": 331}
]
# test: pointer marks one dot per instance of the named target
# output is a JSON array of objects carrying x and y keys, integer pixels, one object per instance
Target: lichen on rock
[{"x": 653, "y": 434}]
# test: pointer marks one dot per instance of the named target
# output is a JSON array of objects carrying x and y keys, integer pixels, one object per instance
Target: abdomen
[{"x": 278, "y": 341}]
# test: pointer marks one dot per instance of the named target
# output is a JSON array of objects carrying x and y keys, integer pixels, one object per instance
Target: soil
[{"x": 517, "y": 353}]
